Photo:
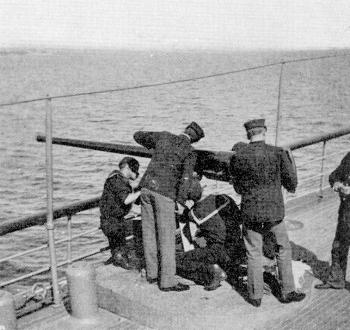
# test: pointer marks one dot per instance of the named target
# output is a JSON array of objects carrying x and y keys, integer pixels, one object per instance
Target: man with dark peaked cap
[
  {"x": 339, "y": 180},
  {"x": 258, "y": 173},
  {"x": 164, "y": 185}
]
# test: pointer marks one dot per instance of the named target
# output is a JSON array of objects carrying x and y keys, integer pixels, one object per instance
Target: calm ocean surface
[{"x": 315, "y": 98}]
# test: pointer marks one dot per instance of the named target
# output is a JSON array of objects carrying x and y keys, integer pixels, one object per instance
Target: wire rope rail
[
  {"x": 341, "y": 152},
  {"x": 44, "y": 246},
  {"x": 173, "y": 82}
]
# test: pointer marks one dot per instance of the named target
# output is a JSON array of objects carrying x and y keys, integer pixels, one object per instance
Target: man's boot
[
  {"x": 218, "y": 275},
  {"x": 120, "y": 258}
]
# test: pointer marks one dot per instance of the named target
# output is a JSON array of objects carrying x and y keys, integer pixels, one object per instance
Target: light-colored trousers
[
  {"x": 158, "y": 235},
  {"x": 253, "y": 239}
]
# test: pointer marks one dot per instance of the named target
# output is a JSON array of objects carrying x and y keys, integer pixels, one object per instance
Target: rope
[
  {"x": 37, "y": 293},
  {"x": 169, "y": 82}
]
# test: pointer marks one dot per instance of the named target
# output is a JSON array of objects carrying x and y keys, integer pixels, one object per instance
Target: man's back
[
  {"x": 342, "y": 172},
  {"x": 116, "y": 189},
  {"x": 172, "y": 159},
  {"x": 259, "y": 170},
  {"x": 220, "y": 226}
]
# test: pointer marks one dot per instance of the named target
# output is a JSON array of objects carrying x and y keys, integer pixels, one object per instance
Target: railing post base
[{"x": 8, "y": 319}]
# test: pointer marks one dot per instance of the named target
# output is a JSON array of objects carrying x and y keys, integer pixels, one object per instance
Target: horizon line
[{"x": 168, "y": 48}]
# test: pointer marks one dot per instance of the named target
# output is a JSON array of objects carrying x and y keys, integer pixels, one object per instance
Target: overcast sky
[{"x": 176, "y": 24}]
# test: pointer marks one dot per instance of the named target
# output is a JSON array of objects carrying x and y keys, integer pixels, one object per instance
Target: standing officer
[
  {"x": 339, "y": 179},
  {"x": 165, "y": 182},
  {"x": 258, "y": 172},
  {"x": 115, "y": 203}
]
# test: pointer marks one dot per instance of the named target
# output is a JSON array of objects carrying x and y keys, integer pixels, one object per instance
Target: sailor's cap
[
  {"x": 197, "y": 130},
  {"x": 254, "y": 123}
]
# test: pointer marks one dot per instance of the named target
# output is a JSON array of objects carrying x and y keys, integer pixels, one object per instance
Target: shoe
[
  {"x": 218, "y": 275},
  {"x": 178, "y": 287},
  {"x": 254, "y": 302},
  {"x": 152, "y": 280},
  {"x": 121, "y": 260},
  {"x": 108, "y": 261},
  {"x": 291, "y": 297},
  {"x": 327, "y": 285}
]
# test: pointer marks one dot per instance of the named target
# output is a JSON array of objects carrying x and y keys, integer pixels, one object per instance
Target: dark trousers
[
  {"x": 195, "y": 264},
  {"x": 340, "y": 247},
  {"x": 115, "y": 231},
  {"x": 253, "y": 239}
]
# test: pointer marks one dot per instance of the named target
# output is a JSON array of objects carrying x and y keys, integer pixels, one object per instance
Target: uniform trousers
[
  {"x": 253, "y": 238},
  {"x": 158, "y": 236},
  {"x": 195, "y": 264},
  {"x": 114, "y": 229},
  {"x": 340, "y": 247}
]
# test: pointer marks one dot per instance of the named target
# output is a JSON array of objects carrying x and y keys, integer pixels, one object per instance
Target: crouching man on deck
[
  {"x": 217, "y": 219},
  {"x": 115, "y": 203}
]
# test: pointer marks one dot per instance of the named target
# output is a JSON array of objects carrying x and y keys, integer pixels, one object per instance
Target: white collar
[{"x": 186, "y": 135}]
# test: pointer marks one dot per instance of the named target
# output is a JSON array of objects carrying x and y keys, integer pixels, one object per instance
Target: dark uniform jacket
[
  {"x": 116, "y": 189},
  {"x": 258, "y": 172},
  {"x": 222, "y": 226},
  {"x": 171, "y": 166},
  {"x": 342, "y": 174}
]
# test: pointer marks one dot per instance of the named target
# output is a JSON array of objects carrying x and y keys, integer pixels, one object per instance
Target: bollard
[
  {"x": 82, "y": 291},
  {"x": 8, "y": 319}
]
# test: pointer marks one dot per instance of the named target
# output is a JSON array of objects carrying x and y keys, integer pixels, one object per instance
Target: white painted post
[{"x": 8, "y": 319}]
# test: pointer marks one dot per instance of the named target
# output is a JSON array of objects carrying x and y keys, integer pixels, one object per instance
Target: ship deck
[{"x": 129, "y": 302}]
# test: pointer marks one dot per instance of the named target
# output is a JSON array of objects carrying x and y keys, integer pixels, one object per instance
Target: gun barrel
[
  {"x": 212, "y": 164},
  {"x": 101, "y": 146}
]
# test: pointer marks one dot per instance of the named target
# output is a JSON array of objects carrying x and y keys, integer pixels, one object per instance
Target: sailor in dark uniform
[
  {"x": 116, "y": 202},
  {"x": 339, "y": 180},
  {"x": 217, "y": 218},
  {"x": 258, "y": 172},
  {"x": 165, "y": 183}
]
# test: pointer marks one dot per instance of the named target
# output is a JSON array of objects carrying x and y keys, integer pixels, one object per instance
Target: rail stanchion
[
  {"x": 278, "y": 113},
  {"x": 322, "y": 169},
  {"x": 8, "y": 319},
  {"x": 69, "y": 241},
  {"x": 49, "y": 188}
]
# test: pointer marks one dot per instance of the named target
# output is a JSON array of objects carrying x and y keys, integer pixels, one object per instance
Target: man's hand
[
  {"x": 189, "y": 203},
  {"x": 179, "y": 208},
  {"x": 337, "y": 186},
  {"x": 134, "y": 184},
  {"x": 345, "y": 190},
  {"x": 201, "y": 242}
]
